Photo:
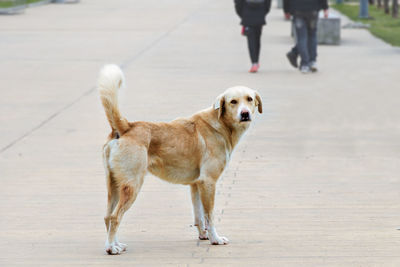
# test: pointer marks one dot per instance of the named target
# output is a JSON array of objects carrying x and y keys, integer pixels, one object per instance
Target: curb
[{"x": 13, "y": 9}]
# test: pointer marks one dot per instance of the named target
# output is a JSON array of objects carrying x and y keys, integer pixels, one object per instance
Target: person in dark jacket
[
  {"x": 305, "y": 19},
  {"x": 252, "y": 14}
]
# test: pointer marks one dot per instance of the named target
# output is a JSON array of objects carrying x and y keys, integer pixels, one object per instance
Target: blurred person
[
  {"x": 305, "y": 19},
  {"x": 252, "y": 14}
]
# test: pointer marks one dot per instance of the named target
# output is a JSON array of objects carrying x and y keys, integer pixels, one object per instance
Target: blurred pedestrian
[
  {"x": 305, "y": 19},
  {"x": 252, "y": 14}
]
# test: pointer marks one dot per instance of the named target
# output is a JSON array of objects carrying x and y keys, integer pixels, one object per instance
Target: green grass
[
  {"x": 4, "y": 4},
  {"x": 8, "y": 3},
  {"x": 382, "y": 25}
]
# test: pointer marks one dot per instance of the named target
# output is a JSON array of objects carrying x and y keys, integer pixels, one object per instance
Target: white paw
[
  {"x": 115, "y": 248},
  {"x": 203, "y": 236},
  {"x": 219, "y": 240},
  {"x": 122, "y": 246}
]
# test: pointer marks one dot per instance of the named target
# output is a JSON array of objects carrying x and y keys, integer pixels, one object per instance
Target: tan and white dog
[{"x": 191, "y": 151}]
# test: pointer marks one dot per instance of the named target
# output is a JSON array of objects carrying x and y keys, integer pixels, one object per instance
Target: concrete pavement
[{"x": 314, "y": 183}]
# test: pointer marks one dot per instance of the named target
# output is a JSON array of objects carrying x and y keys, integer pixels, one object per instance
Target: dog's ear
[
  {"x": 259, "y": 102},
  {"x": 220, "y": 105}
]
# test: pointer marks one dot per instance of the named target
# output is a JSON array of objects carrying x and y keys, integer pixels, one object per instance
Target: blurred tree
[
  {"x": 395, "y": 9},
  {"x": 386, "y": 6}
]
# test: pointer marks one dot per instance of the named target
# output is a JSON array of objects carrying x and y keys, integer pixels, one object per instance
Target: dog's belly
[{"x": 174, "y": 171}]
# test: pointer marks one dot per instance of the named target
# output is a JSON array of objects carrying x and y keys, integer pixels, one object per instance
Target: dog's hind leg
[
  {"x": 112, "y": 198},
  {"x": 128, "y": 194},
  {"x": 198, "y": 211},
  {"x": 112, "y": 187},
  {"x": 129, "y": 174}
]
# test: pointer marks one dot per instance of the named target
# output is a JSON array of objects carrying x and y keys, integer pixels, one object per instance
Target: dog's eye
[
  {"x": 249, "y": 99},
  {"x": 233, "y": 102}
]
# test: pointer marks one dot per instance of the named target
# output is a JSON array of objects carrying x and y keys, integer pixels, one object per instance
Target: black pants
[{"x": 253, "y": 34}]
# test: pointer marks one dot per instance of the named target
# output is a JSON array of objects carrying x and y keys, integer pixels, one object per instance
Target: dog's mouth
[{"x": 245, "y": 120}]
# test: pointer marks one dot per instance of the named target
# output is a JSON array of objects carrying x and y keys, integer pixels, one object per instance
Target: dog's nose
[{"x": 244, "y": 116}]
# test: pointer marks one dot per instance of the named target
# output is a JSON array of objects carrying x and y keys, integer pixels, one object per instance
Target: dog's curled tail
[{"x": 110, "y": 80}]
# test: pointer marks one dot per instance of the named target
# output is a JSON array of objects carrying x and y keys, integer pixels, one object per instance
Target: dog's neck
[
  {"x": 231, "y": 133},
  {"x": 236, "y": 131}
]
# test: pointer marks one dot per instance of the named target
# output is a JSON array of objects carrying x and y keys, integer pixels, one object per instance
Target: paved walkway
[{"x": 314, "y": 183}]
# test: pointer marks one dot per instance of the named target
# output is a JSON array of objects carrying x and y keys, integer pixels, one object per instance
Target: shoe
[
  {"x": 305, "y": 69},
  {"x": 292, "y": 59},
  {"x": 313, "y": 66},
  {"x": 254, "y": 68}
]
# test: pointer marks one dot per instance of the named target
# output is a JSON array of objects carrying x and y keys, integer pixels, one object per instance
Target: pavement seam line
[{"x": 40, "y": 125}]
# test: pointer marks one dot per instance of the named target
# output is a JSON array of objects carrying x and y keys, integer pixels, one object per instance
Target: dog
[{"x": 190, "y": 151}]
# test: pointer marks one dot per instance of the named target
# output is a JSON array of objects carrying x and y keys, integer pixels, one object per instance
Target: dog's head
[{"x": 238, "y": 104}]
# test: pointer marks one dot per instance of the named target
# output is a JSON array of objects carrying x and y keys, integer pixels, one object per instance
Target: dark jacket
[
  {"x": 293, "y": 6},
  {"x": 252, "y": 14}
]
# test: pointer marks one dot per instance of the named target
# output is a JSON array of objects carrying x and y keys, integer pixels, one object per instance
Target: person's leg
[
  {"x": 258, "y": 31},
  {"x": 252, "y": 43},
  {"x": 293, "y": 54},
  {"x": 312, "y": 36},
  {"x": 253, "y": 40},
  {"x": 302, "y": 39}
]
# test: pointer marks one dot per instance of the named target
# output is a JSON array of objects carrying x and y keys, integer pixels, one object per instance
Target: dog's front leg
[
  {"x": 198, "y": 211},
  {"x": 206, "y": 189}
]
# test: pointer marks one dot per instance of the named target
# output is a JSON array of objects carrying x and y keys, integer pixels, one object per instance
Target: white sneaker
[
  {"x": 313, "y": 66},
  {"x": 305, "y": 69}
]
